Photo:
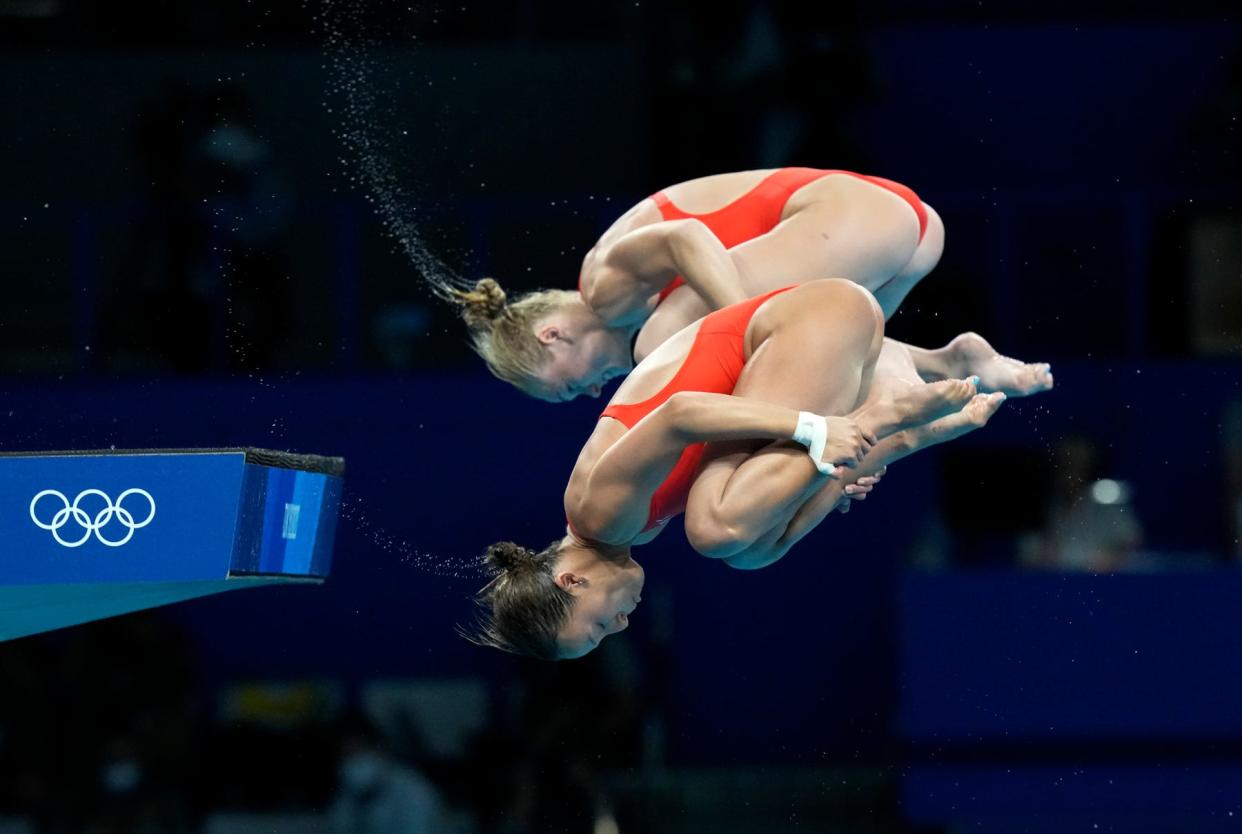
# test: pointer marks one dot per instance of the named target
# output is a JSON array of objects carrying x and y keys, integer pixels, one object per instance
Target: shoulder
[
  {"x": 590, "y": 505},
  {"x": 643, "y": 213},
  {"x": 604, "y": 435}
]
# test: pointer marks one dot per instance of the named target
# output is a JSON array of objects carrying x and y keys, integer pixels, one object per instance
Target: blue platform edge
[
  {"x": 212, "y": 516},
  {"x": 286, "y": 522}
]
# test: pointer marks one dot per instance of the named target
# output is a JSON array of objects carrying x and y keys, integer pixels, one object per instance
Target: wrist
[{"x": 812, "y": 432}]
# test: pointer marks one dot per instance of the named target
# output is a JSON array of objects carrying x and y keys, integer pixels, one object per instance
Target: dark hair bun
[{"x": 505, "y": 556}]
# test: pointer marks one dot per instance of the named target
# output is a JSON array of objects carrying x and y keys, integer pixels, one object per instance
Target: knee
[
  {"x": 763, "y": 551},
  {"x": 713, "y": 536},
  {"x": 755, "y": 558},
  {"x": 850, "y": 299},
  {"x": 745, "y": 561},
  {"x": 857, "y": 311}
]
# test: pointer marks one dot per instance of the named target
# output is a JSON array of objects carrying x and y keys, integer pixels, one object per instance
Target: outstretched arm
[
  {"x": 622, "y": 277},
  {"x": 608, "y": 501}
]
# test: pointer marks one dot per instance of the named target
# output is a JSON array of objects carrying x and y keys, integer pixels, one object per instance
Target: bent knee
[
  {"x": 756, "y": 558},
  {"x": 714, "y": 537},
  {"x": 852, "y": 309},
  {"x": 846, "y": 298}
]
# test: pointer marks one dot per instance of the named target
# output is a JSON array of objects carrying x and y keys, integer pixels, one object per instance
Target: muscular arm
[
  {"x": 609, "y": 502},
  {"x": 625, "y": 274}
]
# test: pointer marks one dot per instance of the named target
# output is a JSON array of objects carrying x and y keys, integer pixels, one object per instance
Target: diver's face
[
  {"x": 582, "y": 364},
  {"x": 604, "y": 599}
]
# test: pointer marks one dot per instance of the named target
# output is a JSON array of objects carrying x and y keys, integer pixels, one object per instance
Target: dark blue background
[{"x": 1070, "y": 151}]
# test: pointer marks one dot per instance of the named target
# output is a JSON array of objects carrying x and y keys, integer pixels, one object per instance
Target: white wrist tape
[{"x": 812, "y": 432}]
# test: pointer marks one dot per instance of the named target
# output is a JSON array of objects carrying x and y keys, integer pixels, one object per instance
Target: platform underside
[{"x": 31, "y": 609}]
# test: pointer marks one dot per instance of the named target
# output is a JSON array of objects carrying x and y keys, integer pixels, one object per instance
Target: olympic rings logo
[{"x": 92, "y": 524}]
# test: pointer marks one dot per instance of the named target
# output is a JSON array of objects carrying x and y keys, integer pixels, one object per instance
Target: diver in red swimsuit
[
  {"x": 726, "y": 422},
  {"x": 710, "y": 242},
  {"x": 760, "y": 210}
]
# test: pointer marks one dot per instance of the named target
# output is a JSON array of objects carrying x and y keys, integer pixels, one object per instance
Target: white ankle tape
[{"x": 812, "y": 432}]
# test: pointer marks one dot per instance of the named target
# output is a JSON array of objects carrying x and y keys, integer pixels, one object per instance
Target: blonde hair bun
[{"x": 482, "y": 305}]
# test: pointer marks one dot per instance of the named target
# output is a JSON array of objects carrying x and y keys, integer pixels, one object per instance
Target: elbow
[
  {"x": 602, "y": 290},
  {"x": 593, "y": 296},
  {"x": 681, "y": 411},
  {"x": 689, "y": 236}
]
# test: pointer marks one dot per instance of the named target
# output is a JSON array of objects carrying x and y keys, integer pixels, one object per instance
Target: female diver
[
  {"x": 706, "y": 243},
  {"x": 718, "y": 422}
]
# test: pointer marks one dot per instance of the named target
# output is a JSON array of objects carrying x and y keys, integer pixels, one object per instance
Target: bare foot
[
  {"x": 970, "y": 353},
  {"x": 918, "y": 405},
  {"x": 974, "y": 415}
]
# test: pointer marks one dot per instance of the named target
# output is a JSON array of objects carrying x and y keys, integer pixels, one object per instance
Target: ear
[
  {"x": 568, "y": 581},
  {"x": 549, "y": 333}
]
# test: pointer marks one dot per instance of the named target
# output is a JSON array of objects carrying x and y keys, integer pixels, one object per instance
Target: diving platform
[{"x": 86, "y": 535}]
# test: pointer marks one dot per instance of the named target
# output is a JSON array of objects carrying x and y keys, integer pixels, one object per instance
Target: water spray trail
[
  {"x": 365, "y": 128},
  {"x": 351, "y": 50},
  {"x": 456, "y": 567}
]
